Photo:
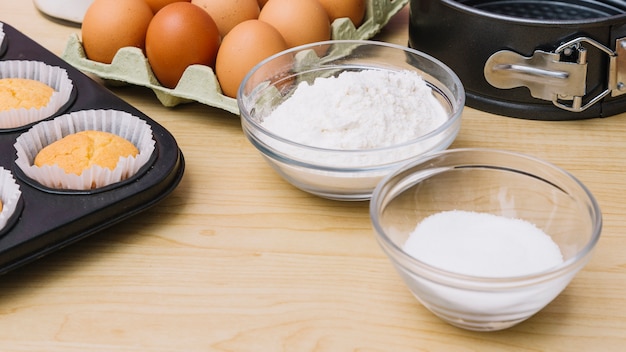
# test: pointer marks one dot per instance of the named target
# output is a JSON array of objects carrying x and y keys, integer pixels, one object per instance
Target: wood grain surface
[{"x": 235, "y": 259}]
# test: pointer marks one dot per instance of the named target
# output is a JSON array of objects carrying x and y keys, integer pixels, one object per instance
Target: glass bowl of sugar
[
  {"x": 333, "y": 118},
  {"x": 485, "y": 238}
]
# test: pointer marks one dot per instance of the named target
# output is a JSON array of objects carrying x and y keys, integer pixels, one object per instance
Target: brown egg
[
  {"x": 109, "y": 25},
  {"x": 352, "y": 9},
  {"x": 261, "y": 3},
  {"x": 247, "y": 44},
  {"x": 156, "y": 5},
  {"x": 299, "y": 21},
  {"x": 180, "y": 34},
  {"x": 228, "y": 14}
]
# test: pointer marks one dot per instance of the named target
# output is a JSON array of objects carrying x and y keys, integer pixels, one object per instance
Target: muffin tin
[{"x": 46, "y": 219}]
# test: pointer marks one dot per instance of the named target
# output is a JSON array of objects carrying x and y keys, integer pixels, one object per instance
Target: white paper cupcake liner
[
  {"x": 9, "y": 194},
  {"x": 117, "y": 122},
  {"x": 54, "y": 76},
  {"x": 1, "y": 33}
]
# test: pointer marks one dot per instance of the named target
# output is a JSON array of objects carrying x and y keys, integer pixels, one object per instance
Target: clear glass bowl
[
  {"x": 491, "y": 181},
  {"x": 335, "y": 173}
]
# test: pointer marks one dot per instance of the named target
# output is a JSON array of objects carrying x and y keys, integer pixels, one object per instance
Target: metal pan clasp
[{"x": 548, "y": 77}]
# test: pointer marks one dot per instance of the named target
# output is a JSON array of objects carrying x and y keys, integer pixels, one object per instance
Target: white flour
[
  {"x": 482, "y": 244},
  {"x": 358, "y": 110}
]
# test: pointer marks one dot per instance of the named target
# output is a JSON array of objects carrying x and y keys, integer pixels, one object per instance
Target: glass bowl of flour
[
  {"x": 333, "y": 118},
  {"x": 485, "y": 238}
]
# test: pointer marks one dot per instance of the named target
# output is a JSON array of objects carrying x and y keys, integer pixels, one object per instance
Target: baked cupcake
[
  {"x": 9, "y": 198},
  {"x": 85, "y": 150},
  {"x": 31, "y": 91},
  {"x": 79, "y": 151}
]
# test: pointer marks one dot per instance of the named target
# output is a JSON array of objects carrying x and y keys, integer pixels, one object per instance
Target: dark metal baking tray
[{"x": 50, "y": 220}]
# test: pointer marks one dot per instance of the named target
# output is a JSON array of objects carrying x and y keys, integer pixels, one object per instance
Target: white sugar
[{"x": 481, "y": 244}]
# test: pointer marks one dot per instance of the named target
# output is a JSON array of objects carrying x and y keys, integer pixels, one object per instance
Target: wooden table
[{"x": 235, "y": 259}]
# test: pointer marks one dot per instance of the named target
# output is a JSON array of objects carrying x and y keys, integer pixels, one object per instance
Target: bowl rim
[
  {"x": 387, "y": 244},
  {"x": 454, "y": 116}
]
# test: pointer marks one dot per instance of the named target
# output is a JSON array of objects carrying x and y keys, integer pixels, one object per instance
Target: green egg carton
[{"x": 199, "y": 83}]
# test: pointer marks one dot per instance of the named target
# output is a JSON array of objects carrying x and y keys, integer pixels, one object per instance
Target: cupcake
[
  {"x": 79, "y": 151},
  {"x": 31, "y": 91},
  {"x": 9, "y": 196},
  {"x": 85, "y": 150}
]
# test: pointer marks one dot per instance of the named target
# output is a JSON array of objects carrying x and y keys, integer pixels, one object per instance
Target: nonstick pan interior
[{"x": 549, "y": 10}]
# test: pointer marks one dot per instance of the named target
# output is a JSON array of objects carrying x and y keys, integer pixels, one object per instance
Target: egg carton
[{"x": 199, "y": 83}]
